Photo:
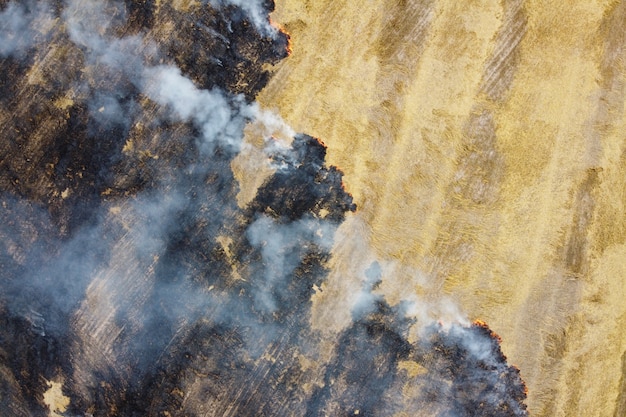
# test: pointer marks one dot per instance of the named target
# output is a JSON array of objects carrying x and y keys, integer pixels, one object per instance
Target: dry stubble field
[{"x": 484, "y": 145}]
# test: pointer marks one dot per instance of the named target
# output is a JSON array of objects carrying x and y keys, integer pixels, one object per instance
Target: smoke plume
[{"x": 23, "y": 25}]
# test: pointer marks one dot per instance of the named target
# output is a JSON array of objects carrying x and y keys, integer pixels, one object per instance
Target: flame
[
  {"x": 288, "y": 48},
  {"x": 281, "y": 29},
  {"x": 480, "y": 323},
  {"x": 485, "y": 326},
  {"x": 523, "y": 382},
  {"x": 320, "y": 141},
  {"x": 494, "y": 335}
]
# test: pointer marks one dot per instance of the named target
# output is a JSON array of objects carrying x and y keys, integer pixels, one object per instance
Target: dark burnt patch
[
  {"x": 365, "y": 367},
  {"x": 221, "y": 47},
  {"x": 141, "y": 14},
  {"x": 304, "y": 185},
  {"x": 468, "y": 374}
]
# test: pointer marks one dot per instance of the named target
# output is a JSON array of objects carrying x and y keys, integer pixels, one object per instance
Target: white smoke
[
  {"x": 93, "y": 26},
  {"x": 374, "y": 278},
  {"x": 219, "y": 119},
  {"x": 23, "y": 25},
  {"x": 89, "y": 22},
  {"x": 282, "y": 250},
  {"x": 255, "y": 12}
]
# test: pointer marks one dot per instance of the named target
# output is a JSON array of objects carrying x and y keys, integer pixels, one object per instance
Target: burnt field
[{"x": 133, "y": 282}]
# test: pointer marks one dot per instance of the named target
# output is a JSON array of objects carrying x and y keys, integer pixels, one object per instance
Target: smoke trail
[{"x": 211, "y": 112}]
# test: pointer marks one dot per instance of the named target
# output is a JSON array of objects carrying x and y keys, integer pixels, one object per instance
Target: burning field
[{"x": 171, "y": 246}]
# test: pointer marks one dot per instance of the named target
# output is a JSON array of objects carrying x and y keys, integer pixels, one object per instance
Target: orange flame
[
  {"x": 281, "y": 29},
  {"x": 494, "y": 335}
]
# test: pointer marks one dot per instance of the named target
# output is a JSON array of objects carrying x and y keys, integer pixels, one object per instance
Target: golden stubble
[
  {"x": 54, "y": 398},
  {"x": 513, "y": 206}
]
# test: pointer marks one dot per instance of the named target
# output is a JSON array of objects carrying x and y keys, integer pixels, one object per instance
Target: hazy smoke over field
[
  {"x": 255, "y": 11},
  {"x": 19, "y": 26},
  {"x": 131, "y": 274}
]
